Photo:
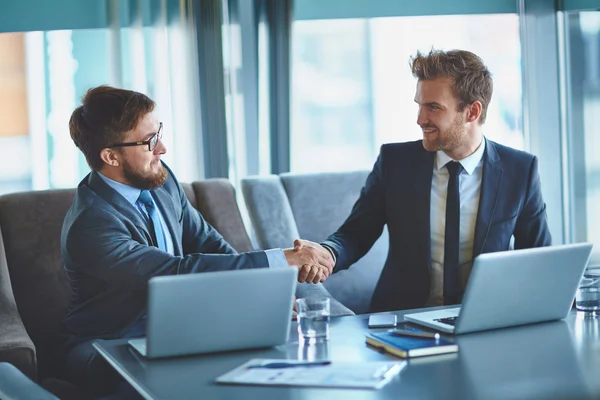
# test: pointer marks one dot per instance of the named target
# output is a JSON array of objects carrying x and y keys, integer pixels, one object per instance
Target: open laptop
[
  {"x": 218, "y": 311},
  {"x": 514, "y": 288}
]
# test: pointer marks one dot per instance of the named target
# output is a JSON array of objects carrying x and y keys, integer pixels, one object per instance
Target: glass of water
[
  {"x": 588, "y": 293},
  {"x": 313, "y": 318}
]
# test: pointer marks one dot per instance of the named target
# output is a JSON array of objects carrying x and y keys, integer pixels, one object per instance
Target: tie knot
[
  {"x": 146, "y": 198},
  {"x": 454, "y": 168}
]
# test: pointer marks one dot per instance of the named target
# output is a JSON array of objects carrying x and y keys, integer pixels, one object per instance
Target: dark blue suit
[
  {"x": 109, "y": 255},
  {"x": 397, "y": 193}
]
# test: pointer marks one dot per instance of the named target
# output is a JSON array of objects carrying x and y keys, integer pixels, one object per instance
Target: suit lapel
[
  {"x": 422, "y": 210},
  {"x": 124, "y": 207},
  {"x": 488, "y": 198}
]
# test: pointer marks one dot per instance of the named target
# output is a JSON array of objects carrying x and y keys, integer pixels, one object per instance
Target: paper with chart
[{"x": 358, "y": 375}]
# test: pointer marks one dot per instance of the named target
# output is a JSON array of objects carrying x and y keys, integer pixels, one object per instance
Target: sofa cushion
[
  {"x": 269, "y": 208},
  {"x": 31, "y": 223},
  {"x": 16, "y": 346},
  {"x": 320, "y": 203},
  {"x": 217, "y": 203}
]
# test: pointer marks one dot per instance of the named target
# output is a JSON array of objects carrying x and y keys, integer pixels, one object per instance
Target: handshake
[{"x": 314, "y": 262}]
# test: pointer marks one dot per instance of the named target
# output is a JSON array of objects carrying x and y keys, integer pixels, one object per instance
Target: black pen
[
  {"x": 276, "y": 365},
  {"x": 419, "y": 334}
]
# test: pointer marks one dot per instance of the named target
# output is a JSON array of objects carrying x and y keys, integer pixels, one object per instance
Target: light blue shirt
[
  {"x": 275, "y": 257},
  {"x": 132, "y": 194}
]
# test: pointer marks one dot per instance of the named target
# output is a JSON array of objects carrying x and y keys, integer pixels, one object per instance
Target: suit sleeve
[
  {"x": 531, "y": 229},
  {"x": 105, "y": 245},
  {"x": 363, "y": 227}
]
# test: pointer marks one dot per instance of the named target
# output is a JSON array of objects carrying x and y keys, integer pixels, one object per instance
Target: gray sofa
[
  {"x": 34, "y": 290},
  {"x": 312, "y": 206}
]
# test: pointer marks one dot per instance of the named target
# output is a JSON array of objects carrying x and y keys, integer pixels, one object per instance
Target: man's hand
[
  {"x": 325, "y": 257},
  {"x": 314, "y": 262}
]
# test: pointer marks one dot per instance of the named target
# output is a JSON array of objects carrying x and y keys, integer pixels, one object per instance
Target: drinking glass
[
  {"x": 313, "y": 318},
  {"x": 587, "y": 297}
]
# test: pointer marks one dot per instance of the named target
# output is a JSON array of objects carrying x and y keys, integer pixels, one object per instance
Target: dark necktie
[
  {"x": 452, "y": 288},
  {"x": 155, "y": 225}
]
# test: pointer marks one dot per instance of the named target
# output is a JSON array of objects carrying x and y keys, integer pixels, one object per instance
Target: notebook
[
  {"x": 218, "y": 311},
  {"x": 511, "y": 288},
  {"x": 406, "y": 346}
]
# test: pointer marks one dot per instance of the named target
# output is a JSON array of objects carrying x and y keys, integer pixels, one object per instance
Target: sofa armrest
[
  {"x": 16, "y": 346},
  {"x": 270, "y": 212},
  {"x": 15, "y": 385}
]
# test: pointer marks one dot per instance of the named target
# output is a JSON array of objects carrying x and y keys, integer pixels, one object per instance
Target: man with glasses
[{"x": 130, "y": 220}]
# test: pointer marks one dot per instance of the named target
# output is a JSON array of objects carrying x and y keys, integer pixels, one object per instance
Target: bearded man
[
  {"x": 446, "y": 198},
  {"x": 130, "y": 220}
]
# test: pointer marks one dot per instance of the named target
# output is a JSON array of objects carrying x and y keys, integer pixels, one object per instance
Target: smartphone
[{"x": 382, "y": 321}]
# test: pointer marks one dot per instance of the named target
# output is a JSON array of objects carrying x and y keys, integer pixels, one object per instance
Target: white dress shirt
[{"x": 469, "y": 187}]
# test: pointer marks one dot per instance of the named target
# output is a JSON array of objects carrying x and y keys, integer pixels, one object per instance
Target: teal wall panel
[
  {"x": 45, "y": 15},
  {"x": 335, "y": 9},
  {"x": 579, "y": 5}
]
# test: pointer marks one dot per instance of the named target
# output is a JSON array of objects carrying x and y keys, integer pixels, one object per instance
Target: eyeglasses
[{"x": 151, "y": 143}]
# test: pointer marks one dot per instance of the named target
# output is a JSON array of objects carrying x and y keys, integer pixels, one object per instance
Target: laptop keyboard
[{"x": 448, "y": 321}]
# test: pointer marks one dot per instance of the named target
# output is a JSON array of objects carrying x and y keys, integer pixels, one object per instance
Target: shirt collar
[
  {"x": 130, "y": 193},
  {"x": 469, "y": 163}
]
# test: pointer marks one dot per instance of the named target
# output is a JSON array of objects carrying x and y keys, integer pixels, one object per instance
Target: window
[
  {"x": 14, "y": 119},
  {"x": 583, "y": 111},
  {"x": 44, "y": 74},
  {"x": 352, "y": 89}
]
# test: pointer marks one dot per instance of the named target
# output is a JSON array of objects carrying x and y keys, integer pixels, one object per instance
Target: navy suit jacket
[
  {"x": 398, "y": 192},
  {"x": 109, "y": 255}
]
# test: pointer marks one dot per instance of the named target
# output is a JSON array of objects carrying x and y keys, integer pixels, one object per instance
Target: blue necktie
[
  {"x": 452, "y": 288},
  {"x": 155, "y": 225}
]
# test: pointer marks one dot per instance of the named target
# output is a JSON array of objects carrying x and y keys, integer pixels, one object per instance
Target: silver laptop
[
  {"x": 512, "y": 288},
  {"x": 218, "y": 311}
]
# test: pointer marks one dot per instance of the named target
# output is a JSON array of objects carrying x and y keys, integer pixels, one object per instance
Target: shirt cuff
[
  {"x": 276, "y": 258},
  {"x": 330, "y": 252}
]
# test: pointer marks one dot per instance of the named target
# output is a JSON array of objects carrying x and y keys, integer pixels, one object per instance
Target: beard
[
  {"x": 449, "y": 139},
  {"x": 145, "y": 181}
]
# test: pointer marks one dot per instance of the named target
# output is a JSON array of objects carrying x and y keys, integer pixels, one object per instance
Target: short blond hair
[{"x": 471, "y": 80}]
